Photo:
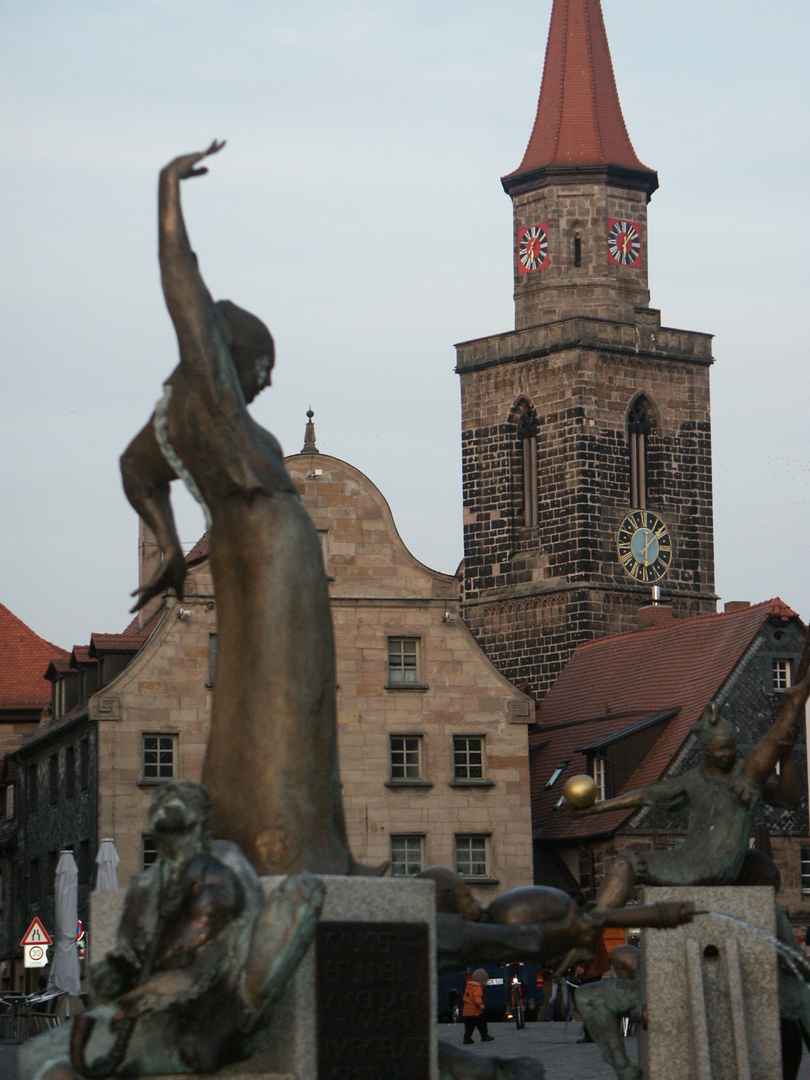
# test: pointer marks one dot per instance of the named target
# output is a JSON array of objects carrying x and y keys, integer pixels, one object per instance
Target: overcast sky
[{"x": 358, "y": 209}]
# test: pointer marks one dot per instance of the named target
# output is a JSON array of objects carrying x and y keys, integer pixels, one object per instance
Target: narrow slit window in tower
[
  {"x": 527, "y": 437},
  {"x": 639, "y": 426}
]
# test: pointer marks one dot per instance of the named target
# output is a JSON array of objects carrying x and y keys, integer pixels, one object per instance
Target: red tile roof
[
  {"x": 613, "y": 682},
  {"x": 24, "y": 656},
  {"x": 579, "y": 119},
  {"x": 199, "y": 551}
]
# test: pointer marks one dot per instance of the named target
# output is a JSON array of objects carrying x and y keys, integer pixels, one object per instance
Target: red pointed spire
[{"x": 579, "y": 120}]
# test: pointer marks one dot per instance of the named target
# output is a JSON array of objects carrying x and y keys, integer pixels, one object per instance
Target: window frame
[
  {"x": 599, "y": 772},
  {"x": 406, "y": 780},
  {"x": 482, "y": 842},
  {"x": 393, "y": 682},
  {"x": 174, "y": 745},
  {"x": 409, "y": 838},
  {"x": 148, "y": 851},
  {"x": 469, "y": 781},
  {"x": 781, "y": 673}
]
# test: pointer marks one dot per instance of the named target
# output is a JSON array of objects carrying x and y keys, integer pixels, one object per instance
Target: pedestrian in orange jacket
[{"x": 473, "y": 1007}]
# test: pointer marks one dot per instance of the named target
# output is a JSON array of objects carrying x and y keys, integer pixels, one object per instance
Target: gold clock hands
[{"x": 644, "y": 550}]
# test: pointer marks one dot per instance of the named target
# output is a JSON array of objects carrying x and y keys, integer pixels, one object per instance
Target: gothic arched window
[
  {"x": 640, "y": 424},
  {"x": 527, "y": 441}
]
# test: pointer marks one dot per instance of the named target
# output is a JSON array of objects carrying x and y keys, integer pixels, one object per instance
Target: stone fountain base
[
  {"x": 362, "y": 1004},
  {"x": 711, "y": 990}
]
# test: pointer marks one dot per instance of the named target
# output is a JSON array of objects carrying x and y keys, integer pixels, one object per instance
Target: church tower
[{"x": 586, "y": 437}]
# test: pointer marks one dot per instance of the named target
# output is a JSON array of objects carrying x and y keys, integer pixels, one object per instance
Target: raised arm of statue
[
  {"x": 778, "y": 742},
  {"x": 669, "y": 794}
]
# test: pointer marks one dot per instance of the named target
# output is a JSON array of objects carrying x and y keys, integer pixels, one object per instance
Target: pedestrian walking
[{"x": 472, "y": 1011}]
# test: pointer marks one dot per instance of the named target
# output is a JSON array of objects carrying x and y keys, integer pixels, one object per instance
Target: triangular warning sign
[{"x": 36, "y": 934}]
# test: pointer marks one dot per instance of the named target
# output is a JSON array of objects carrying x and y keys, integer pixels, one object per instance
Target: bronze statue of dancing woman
[{"x": 271, "y": 765}]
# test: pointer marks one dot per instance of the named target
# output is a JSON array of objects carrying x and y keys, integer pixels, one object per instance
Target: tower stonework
[{"x": 589, "y": 410}]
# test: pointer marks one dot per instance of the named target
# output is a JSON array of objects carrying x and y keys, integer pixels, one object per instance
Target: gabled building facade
[
  {"x": 622, "y": 712},
  {"x": 25, "y": 695},
  {"x": 586, "y": 436},
  {"x": 433, "y": 740}
]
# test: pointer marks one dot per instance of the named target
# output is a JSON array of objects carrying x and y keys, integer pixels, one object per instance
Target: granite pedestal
[
  {"x": 711, "y": 990},
  {"x": 362, "y": 1004}
]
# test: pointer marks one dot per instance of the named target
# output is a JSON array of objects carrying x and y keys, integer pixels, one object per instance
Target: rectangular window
[
  {"x": 70, "y": 771},
  {"x": 600, "y": 775},
  {"x": 148, "y": 851},
  {"x": 84, "y": 764},
  {"x": 406, "y": 855},
  {"x": 10, "y": 802},
  {"x": 212, "y": 658},
  {"x": 31, "y": 788},
  {"x": 403, "y": 660},
  {"x": 159, "y": 757},
  {"x": 471, "y": 856},
  {"x": 806, "y": 869},
  {"x": 468, "y": 757},
  {"x": 406, "y": 757},
  {"x": 781, "y": 673},
  {"x": 53, "y": 779}
]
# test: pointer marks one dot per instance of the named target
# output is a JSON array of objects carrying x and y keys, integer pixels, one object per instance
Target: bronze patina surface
[
  {"x": 199, "y": 962},
  {"x": 271, "y": 763}
]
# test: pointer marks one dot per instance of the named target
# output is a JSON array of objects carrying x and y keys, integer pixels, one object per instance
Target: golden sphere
[{"x": 580, "y": 791}]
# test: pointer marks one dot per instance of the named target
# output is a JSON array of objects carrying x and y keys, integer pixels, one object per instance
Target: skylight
[{"x": 555, "y": 775}]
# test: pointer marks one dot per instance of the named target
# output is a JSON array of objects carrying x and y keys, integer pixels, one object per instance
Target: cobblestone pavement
[{"x": 556, "y": 1046}]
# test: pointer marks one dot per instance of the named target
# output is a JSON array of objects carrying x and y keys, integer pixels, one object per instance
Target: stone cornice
[{"x": 642, "y": 339}]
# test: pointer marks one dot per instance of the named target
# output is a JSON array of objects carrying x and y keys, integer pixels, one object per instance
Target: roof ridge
[{"x": 680, "y": 623}]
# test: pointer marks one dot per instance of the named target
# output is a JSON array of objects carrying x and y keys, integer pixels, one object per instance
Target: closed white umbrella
[
  {"x": 65, "y": 971},
  {"x": 107, "y": 861}
]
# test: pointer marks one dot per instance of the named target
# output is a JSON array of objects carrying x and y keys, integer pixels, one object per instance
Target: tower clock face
[
  {"x": 644, "y": 546},
  {"x": 533, "y": 248},
  {"x": 624, "y": 242}
]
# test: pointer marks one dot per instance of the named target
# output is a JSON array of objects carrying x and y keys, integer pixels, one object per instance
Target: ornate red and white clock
[
  {"x": 532, "y": 248},
  {"x": 624, "y": 242}
]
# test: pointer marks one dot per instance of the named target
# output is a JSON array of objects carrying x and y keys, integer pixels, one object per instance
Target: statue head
[
  {"x": 251, "y": 346},
  {"x": 179, "y": 807},
  {"x": 717, "y": 738}
]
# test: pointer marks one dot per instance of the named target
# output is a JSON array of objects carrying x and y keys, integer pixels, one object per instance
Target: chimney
[
  {"x": 735, "y": 605},
  {"x": 655, "y": 616},
  {"x": 149, "y": 559}
]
